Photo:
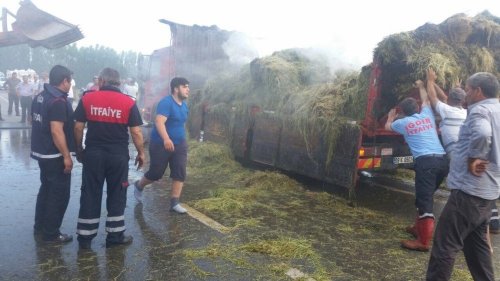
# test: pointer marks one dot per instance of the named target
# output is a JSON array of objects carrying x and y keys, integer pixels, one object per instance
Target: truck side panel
[
  {"x": 301, "y": 154},
  {"x": 266, "y": 139},
  {"x": 342, "y": 169}
]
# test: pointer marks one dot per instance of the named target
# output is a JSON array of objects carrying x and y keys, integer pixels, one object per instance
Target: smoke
[
  {"x": 333, "y": 58},
  {"x": 240, "y": 49}
]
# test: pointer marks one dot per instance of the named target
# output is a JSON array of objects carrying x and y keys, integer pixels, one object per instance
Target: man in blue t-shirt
[
  {"x": 431, "y": 164},
  {"x": 168, "y": 145}
]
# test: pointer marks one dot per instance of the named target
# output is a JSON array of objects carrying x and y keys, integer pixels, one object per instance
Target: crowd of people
[
  {"x": 109, "y": 115},
  {"x": 468, "y": 155},
  {"x": 21, "y": 92}
]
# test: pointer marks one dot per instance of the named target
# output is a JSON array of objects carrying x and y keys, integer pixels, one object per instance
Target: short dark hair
[
  {"x": 176, "y": 82},
  {"x": 57, "y": 75},
  {"x": 486, "y": 81},
  {"x": 409, "y": 106}
]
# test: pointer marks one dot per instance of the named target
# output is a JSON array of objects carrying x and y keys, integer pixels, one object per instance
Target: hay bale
[
  {"x": 443, "y": 61},
  {"x": 457, "y": 28},
  {"x": 429, "y": 32},
  {"x": 455, "y": 49}
]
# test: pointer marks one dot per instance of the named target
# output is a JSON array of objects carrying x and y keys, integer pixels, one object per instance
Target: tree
[{"x": 85, "y": 62}]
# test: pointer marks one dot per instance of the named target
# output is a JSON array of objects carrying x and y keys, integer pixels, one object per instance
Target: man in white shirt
[
  {"x": 25, "y": 93},
  {"x": 71, "y": 95},
  {"x": 449, "y": 108},
  {"x": 131, "y": 88}
]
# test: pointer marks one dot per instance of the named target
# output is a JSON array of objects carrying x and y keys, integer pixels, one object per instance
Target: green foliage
[{"x": 85, "y": 62}]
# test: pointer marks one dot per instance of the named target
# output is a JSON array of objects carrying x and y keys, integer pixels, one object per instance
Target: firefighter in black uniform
[
  {"x": 52, "y": 142},
  {"x": 108, "y": 114}
]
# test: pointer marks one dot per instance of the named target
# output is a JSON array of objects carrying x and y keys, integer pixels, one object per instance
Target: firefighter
[
  {"x": 108, "y": 114},
  {"x": 431, "y": 164},
  {"x": 51, "y": 144},
  {"x": 168, "y": 144}
]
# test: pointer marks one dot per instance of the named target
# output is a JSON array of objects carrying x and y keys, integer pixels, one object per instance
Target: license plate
[{"x": 402, "y": 160}]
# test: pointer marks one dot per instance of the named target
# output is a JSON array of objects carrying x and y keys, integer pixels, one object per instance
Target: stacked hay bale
[
  {"x": 293, "y": 87},
  {"x": 455, "y": 49},
  {"x": 297, "y": 87}
]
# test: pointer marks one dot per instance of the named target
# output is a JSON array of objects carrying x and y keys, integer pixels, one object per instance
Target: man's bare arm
[
  {"x": 162, "y": 131},
  {"x": 422, "y": 92},
  {"x": 138, "y": 140},
  {"x": 78, "y": 132},
  {"x": 440, "y": 94},
  {"x": 390, "y": 118}
]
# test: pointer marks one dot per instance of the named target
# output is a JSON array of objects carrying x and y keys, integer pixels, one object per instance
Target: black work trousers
[
  {"x": 462, "y": 226},
  {"x": 99, "y": 165},
  {"x": 13, "y": 101},
  {"x": 53, "y": 197},
  {"x": 430, "y": 171}
]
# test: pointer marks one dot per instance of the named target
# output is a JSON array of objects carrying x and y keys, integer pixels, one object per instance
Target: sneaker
[
  {"x": 178, "y": 209},
  {"x": 138, "y": 192},
  {"x": 127, "y": 240}
]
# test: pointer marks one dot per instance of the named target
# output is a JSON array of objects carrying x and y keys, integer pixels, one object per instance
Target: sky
[{"x": 349, "y": 29}]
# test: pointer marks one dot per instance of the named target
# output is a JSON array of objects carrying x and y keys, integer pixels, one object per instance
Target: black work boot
[
  {"x": 84, "y": 244},
  {"x": 126, "y": 240}
]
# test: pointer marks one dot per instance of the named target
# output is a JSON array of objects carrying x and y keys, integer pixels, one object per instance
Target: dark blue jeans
[
  {"x": 53, "y": 197},
  {"x": 430, "y": 170}
]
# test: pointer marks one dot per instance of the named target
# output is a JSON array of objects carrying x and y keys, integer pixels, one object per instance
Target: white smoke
[{"x": 240, "y": 49}]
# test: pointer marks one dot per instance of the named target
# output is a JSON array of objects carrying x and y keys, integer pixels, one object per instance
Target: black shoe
[
  {"x": 85, "y": 245},
  {"x": 127, "y": 240},
  {"x": 60, "y": 239}
]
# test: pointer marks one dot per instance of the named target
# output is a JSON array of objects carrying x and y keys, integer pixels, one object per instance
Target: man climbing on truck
[{"x": 431, "y": 165}]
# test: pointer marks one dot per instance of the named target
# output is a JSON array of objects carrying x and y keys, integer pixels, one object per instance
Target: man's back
[
  {"x": 420, "y": 133},
  {"x": 109, "y": 113},
  {"x": 452, "y": 118}
]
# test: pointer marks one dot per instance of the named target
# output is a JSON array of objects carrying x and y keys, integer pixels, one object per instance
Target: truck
[
  {"x": 455, "y": 48},
  {"x": 197, "y": 52}
]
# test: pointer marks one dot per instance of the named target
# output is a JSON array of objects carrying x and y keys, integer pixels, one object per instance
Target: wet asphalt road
[{"x": 158, "y": 234}]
